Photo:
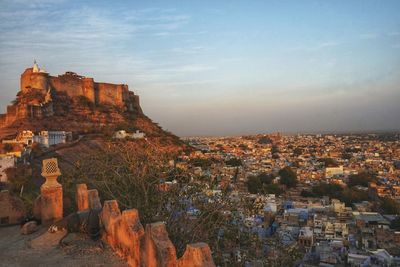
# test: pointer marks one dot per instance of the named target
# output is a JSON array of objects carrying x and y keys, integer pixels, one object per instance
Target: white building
[
  {"x": 49, "y": 138},
  {"x": 122, "y": 134},
  {"x": 337, "y": 206},
  {"x": 5, "y": 163},
  {"x": 333, "y": 171},
  {"x": 138, "y": 135},
  {"x": 25, "y": 137}
]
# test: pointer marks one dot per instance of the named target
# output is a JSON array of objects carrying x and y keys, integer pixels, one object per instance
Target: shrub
[
  {"x": 234, "y": 162},
  {"x": 288, "y": 177},
  {"x": 362, "y": 179}
]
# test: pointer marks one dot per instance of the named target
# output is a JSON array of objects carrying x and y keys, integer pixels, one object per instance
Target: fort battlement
[{"x": 76, "y": 85}]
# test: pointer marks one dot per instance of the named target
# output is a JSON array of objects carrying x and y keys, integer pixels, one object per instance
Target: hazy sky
[{"x": 221, "y": 67}]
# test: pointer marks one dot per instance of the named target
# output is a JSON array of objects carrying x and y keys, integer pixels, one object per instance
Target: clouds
[
  {"x": 78, "y": 34},
  {"x": 236, "y": 68}
]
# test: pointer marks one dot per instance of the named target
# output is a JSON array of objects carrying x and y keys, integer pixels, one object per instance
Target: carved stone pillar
[{"x": 51, "y": 192}]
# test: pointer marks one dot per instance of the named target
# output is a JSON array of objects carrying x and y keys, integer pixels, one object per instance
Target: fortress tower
[{"x": 34, "y": 78}]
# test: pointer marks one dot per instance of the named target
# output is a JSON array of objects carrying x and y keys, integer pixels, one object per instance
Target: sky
[{"x": 221, "y": 67}]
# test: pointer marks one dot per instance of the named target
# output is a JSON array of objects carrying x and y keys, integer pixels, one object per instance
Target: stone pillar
[
  {"x": 82, "y": 197},
  {"x": 109, "y": 215},
  {"x": 128, "y": 233},
  {"x": 157, "y": 249},
  {"x": 51, "y": 193},
  {"x": 94, "y": 199},
  {"x": 196, "y": 255}
]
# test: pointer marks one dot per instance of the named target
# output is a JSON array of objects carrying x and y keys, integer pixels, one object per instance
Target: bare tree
[{"x": 137, "y": 176}]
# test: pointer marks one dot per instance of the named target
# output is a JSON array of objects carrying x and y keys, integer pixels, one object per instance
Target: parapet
[{"x": 139, "y": 246}]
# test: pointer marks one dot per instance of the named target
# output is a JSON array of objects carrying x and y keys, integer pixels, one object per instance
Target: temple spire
[{"x": 35, "y": 66}]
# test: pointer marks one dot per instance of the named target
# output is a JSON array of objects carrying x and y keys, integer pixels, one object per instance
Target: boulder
[{"x": 29, "y": 228}]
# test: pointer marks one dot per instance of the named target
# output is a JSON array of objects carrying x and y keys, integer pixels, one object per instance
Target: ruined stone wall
[{"x": 147, "y": 246}]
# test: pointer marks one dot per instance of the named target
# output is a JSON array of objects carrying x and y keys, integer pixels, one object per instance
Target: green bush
[
  {"x": 254, "y": 184},
  {"x": 390, "y": 206},
  {"x": 234, "y": 162},
  {"x": 363, "y": 179},
  {"x": 288, "y": 177}
]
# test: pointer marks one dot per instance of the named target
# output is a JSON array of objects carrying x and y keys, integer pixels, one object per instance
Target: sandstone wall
[
  {"x": 89, "y": 89},
  {"x": 3, "y": 119},
  {"x": 75, "y": 85},
  {"x": 11, "y": 114},
  {"x": 70, "y": 84},
  {"x": 34, "y": 80},
  {"x": 111, "y": 93},
  {"x": 139, "y": 246}
]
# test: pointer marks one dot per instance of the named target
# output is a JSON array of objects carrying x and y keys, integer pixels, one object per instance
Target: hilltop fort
[{"x": 38, "y": 90}]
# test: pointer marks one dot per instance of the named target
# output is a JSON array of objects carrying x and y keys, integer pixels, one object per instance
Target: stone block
[
  {"x": 196, "y": 255},
  {"x": 108, "y": 218},
  {"x": 94, "y": 199},
  {"x": 128, "y": 233},
  {"x": 157, "y": 248},
  {"x": 51, "y": 204},
  {"x": 82, "y": 197}
]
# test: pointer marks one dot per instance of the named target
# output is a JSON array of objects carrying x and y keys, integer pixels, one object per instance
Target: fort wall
[
  {"x": 110, "y": 93},
  {"x": 89, "y": 89},
  {"x": 75, "y": 85},
  {"x": 11, "y": 114},
  {"x": 70, "y": 84},
  {"x": 3, "y": 119}
]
